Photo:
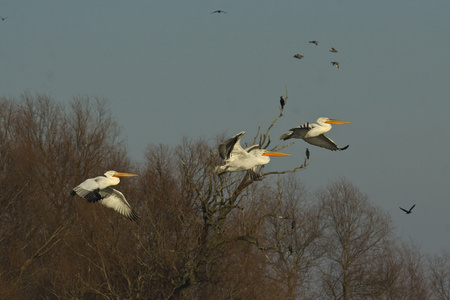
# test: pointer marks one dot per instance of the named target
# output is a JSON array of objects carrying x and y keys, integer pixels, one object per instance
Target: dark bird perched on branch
[
  {"x": 282, "y": 102},
  {"x": 307, "y": 153},
  {"x": 314, "y": 133},
  {"x": 408, "y": 211},
  {"x": 314, "y": 42}
]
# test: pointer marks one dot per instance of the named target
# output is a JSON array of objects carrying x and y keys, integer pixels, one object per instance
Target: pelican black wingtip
[
  {"x": 286, "y": 136},
  {"x": 134, "y": 216}
]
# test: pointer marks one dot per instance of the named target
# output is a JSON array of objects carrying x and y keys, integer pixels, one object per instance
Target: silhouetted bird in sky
[
  {"x": 408, "y": 211},
  {"x": 299, "y": 56},
  {"x": 3, "y": 18},
  {"x": 282, "y": 102},
  {"x": 307, "y": 153},
  {"x": 335, "y": 63},
  {"x": 333, "y": 50},
  {"x": 314, "y": 42},
  {"x": 219, "y": 12}
]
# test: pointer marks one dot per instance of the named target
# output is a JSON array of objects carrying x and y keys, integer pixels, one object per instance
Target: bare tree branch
[{"x": 47, "y": 246}]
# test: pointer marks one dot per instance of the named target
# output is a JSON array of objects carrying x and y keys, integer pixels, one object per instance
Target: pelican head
[
  {"x": 325, "y": 120},
  {"x": 263, "y": 155},
  {"x": 118, "y": 174}
]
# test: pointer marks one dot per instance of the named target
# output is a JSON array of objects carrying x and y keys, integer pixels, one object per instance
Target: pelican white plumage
[
  {"x": 240, "y": 159},
  {"x": 98, "y": 189},
  {"x": 314, "y": 133}
]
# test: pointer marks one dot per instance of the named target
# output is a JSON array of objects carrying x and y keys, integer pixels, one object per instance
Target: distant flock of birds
[
  {"x": 236, "y": 158},
  {"x": 298, "y": 56},
  {"x": 333, "y": 50}
]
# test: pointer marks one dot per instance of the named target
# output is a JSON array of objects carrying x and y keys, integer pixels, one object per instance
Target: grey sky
[{"x": 170, "y": 69}]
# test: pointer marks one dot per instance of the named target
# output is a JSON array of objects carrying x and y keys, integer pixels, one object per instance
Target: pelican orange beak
[
  {"x": 118, "y": 174},
  {"x": 273, "y": 153},
  {"x": 337, "y": 122}
]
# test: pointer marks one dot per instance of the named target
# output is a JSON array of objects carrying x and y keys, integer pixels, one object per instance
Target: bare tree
[
  {"x": 194, "y": 218},
  {"x": 439, "y": 270},
  {"x": 294, "y": 229},
  {"x": 187, "y": 230},
  {"x": 411, "y": 282},
  {"x": 356, "y": 235}
]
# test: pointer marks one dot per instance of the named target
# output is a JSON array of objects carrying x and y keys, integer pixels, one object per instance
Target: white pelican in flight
[
  {"x": 98, "y": 189},
  {"x": 314, "y": 133},
  {"x": 237, "y": 159}
]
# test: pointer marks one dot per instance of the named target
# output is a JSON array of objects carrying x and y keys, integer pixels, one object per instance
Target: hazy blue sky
[{"x": 170, "y": 69}]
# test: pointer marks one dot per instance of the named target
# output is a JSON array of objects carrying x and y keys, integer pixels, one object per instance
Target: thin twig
[
  {"x": 282, "y": 147},
  {"x": 304, "y": 165}
]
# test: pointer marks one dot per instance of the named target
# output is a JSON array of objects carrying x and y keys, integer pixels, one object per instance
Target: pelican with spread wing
[
  {"x": 314, "y": 133},
  {"x": 98, "y": 189},
  {"x": 240, "y": 159}
]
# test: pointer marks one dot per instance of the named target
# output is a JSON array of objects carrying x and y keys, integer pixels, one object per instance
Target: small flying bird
[
  {"x": 333, "y": 50},
  {"x": 299, "y": 56},
  {"x": 408, "y": 211},
  {"x": 307, "y": 153},
  {"x": 282, "y": 102},
  {"x": 314, "y": 42},
  {"x": 4, "y": 18},
  {"x": 239, "y": 159},
  {"x": 314, "y": 133},
  {"x": 98, "y": 189},
  {"x": 335, "y": 63},
  {"x": 219, "y": 12}
]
